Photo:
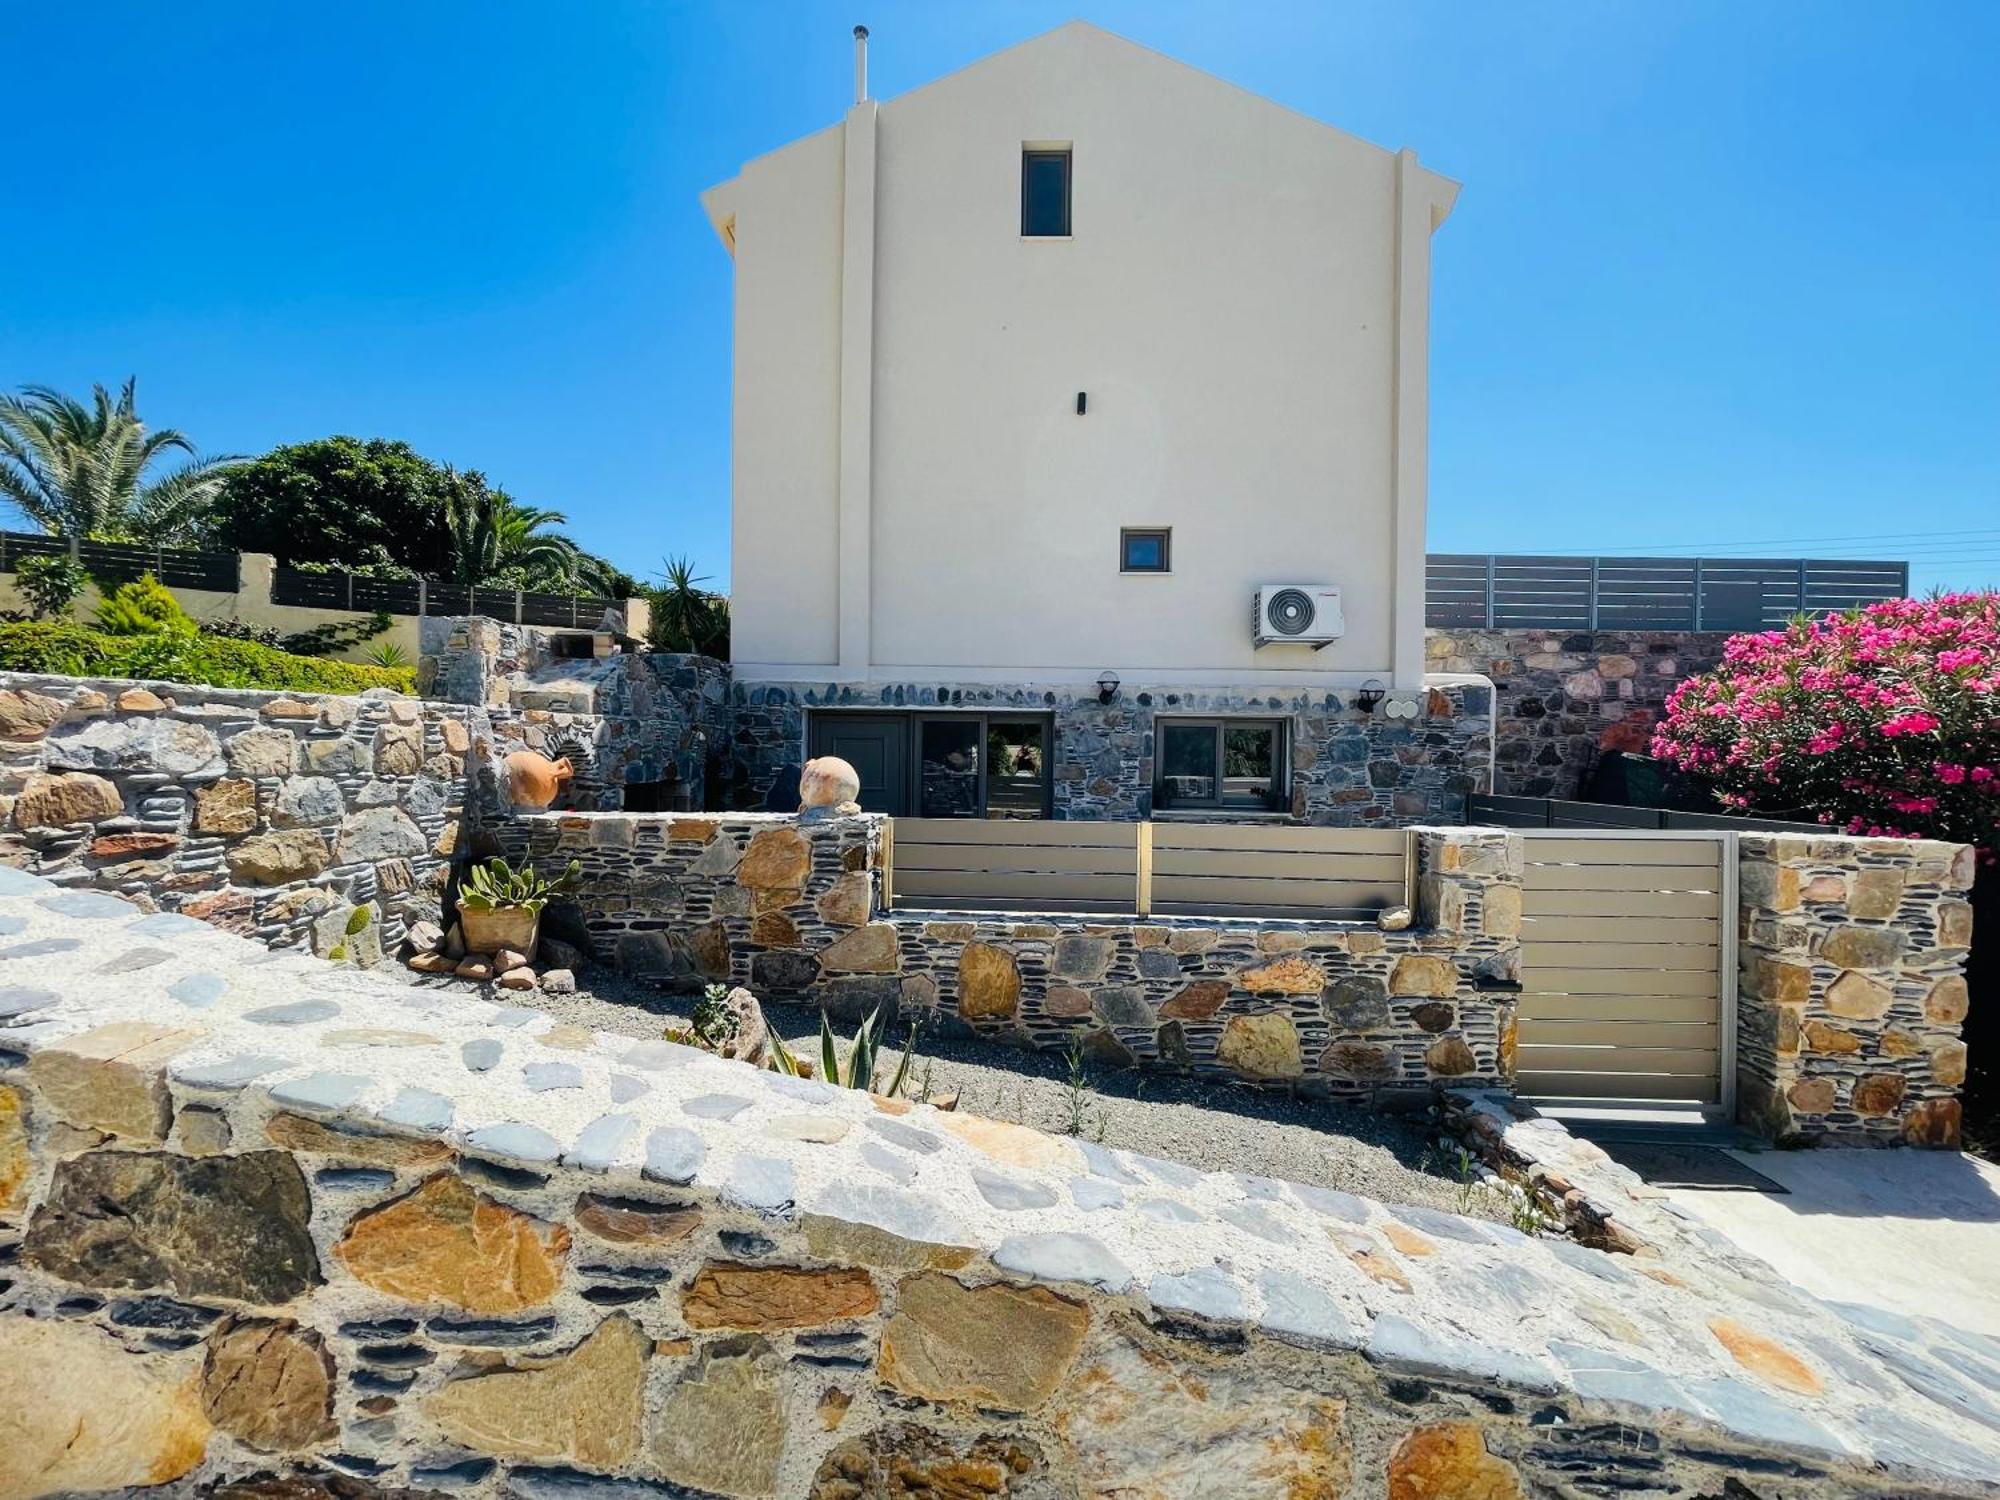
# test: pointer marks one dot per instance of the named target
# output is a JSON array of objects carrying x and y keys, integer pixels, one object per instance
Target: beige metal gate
[{"x": 1628, "y": 967}]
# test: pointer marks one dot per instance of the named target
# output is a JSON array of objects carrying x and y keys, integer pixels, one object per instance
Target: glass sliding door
[
  {"x": 1017, "y": 768},
  {"x": 943, "y": 765},
  {"x": 949, "y": 761}
]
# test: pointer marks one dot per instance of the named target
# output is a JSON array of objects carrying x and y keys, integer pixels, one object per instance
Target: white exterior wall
[{"x": 1242, "y": 300}]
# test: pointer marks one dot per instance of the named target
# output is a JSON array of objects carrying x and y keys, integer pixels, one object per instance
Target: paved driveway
[{"x": 1911, "y": 1231}]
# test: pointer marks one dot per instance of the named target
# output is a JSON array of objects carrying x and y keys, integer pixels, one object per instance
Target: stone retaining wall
[
  {"x": 304, "y": 819},
  {"x": 276, "y": 1231},
  {"x": 793, "y": 910},
  {"x": 1565, "y": 699},
  {"x": 1852, "y": 991}
]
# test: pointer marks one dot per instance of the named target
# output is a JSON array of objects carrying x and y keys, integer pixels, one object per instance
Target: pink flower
[{"x": 1916, "y": 721}]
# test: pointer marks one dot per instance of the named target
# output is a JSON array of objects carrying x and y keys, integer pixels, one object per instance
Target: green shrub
[
  {"x": 172, "y": 656},
  {"x": 142, "y": 607},
  {"x": 68, "y": 650},
  {"x": 53, "y": 584}
]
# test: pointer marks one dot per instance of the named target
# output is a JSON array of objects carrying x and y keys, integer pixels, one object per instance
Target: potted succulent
[{"x": 501, "y": 907}]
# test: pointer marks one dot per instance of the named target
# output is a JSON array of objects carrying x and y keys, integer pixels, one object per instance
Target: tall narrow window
[{"x": 1045, "y": 194}]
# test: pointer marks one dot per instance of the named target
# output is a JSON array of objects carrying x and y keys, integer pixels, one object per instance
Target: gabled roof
[{"x": 718, "y": 201}]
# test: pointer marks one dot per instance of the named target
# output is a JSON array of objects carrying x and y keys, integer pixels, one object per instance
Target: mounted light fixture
[
  {"x": 1107, "y": 686},
  {"x": 1369, "y": 694}
]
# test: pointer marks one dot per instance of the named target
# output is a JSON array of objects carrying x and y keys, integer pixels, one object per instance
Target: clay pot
[
  {"x": 829, "y": 781},
  {"x": 489, "y": 931},
  {"x": 534, "y": 780}
]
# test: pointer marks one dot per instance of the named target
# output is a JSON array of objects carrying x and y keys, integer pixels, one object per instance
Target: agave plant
[
  {"x": 861, "y": 1058},
  {"x": 497, "y": 884}
]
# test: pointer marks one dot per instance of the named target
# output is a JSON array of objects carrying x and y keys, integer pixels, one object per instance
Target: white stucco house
[{"x": 1050, "y": 376}]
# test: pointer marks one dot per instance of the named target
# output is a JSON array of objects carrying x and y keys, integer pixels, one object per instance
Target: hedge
[{"x": 74, "y": 651}]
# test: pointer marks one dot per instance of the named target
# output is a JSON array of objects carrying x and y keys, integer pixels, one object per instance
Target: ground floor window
[
  {"x": 1220, "y": 763},
  {"x": 943, "y": 765}
]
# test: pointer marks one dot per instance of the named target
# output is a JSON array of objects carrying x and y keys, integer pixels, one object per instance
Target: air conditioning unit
[{"x": 1297, "y": 614}]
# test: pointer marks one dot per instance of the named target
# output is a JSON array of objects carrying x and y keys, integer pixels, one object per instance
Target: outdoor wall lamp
[
  {"x": 1368, "y": 695},
  {"x": 1107, "y": 686}
]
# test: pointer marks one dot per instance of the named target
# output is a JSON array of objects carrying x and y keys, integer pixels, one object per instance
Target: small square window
[
  {"x": 1145, "y": 551},
  {"x": 1045, "y": 194}
]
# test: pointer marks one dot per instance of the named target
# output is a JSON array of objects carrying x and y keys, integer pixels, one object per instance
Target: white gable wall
[{"x": 1229, "y": 303}]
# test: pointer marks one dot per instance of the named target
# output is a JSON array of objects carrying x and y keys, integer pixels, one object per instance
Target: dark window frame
[
  {"x": 1126, "y": 534},
  {"x": 1067, "y": 158},
  {"x": 1277, "y": 796}
]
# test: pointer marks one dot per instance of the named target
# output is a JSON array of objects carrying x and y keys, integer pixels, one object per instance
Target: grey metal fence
[
  {"x": 314, "y": 589},
  {"x": 1551, "y": 812},
  {"x": 121, "y": 562},
  {"x": 1489, "y": 592}
]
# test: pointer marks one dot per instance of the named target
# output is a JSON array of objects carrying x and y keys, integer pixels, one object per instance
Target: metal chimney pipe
[{"x": 860, "y": 64}]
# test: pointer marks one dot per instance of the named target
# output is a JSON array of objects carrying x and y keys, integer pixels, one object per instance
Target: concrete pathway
[{"x": 1916, "y": 1232}]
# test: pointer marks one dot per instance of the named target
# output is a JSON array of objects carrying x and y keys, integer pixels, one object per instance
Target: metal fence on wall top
[{"x": 1490, "y": 592}]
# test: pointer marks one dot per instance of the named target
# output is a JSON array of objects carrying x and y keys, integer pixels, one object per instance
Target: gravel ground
[{"x": 1205, "y": 1123}]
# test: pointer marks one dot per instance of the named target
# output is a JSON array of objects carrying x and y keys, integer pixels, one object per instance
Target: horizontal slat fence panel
[
  {"x": 1646, "y": 1031},
  {"x": 1659, "y": 1003},
  {"x": 1172, "y": 869},
  {"x": 1622, "y": 948},
  {"x": 1555, "y": 982},
  {"x": 1014, "y": 864},
  {"x": 1538, "y": 1083},
  {"x": 1068, "y": 835},
  {"x": 1249, "y": 869},
  {"x": 1499, "y": 592}
]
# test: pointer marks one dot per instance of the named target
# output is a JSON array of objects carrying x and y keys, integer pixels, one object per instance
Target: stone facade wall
[
  {"x": 302, "y": 819},
  {"x": 1852, "y": 957},
  {"x": 1563, "y": 700},
  {"x": 1566, "y": 698},
  {"x": 273, "y": 1231},
  {"x": 1349, "y": 768},
  {"x": 793, "y": 910}
]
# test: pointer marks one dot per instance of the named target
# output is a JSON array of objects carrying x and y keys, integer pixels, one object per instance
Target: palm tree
[
  {"x": 494, "y": 537},
  {"x": 548, "y": 557},
  {"x": 471, "y": 516},
  {"x": 80, "y": 471}
]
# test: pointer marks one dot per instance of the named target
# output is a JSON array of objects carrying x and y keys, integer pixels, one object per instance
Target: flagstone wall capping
[
  {"x": 793, "y": 909},
  {"x": 304, "y": 819},
  {"x": 1852, "y": 990},
  {"x": 272, "y": 1227}
]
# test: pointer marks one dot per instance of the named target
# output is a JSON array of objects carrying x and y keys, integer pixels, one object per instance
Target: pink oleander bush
[{"x": 1884, "y": 721}]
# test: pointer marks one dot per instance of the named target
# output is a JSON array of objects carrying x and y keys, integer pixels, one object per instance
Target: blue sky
[{"x": 1724, "y": 277}]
